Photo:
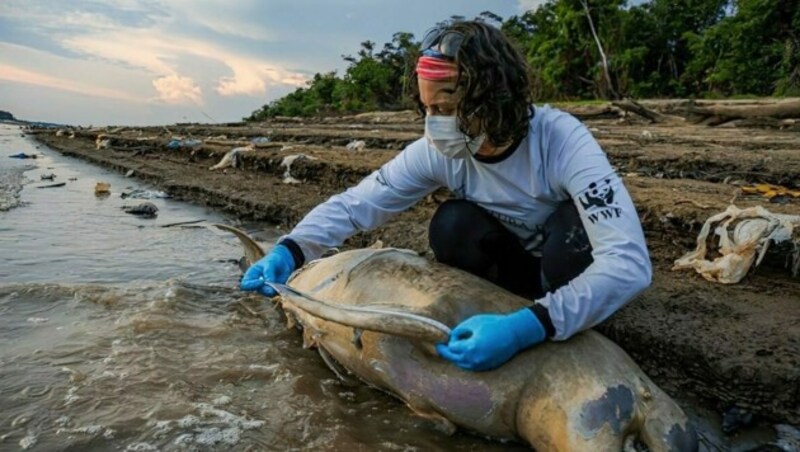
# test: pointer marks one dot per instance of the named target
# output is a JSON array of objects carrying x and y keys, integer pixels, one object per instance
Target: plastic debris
[
  {"x": 102, "y": 188},
  {"x": 774, "y": 193},
  {"x": 144, "y": 194},
  {"x": 260, "y": 140},
  {"x": 60, "y": 184},
  {"x": 356, "y": 145},
  {"x": 233, "y": 158},
  {"x": 178, "y": 143},
  {"x": 22, "y": 155},
  {"x": 101, "y": 142},
  {"x": 50, "y": 176},
  {"x": 287, "y": 162},
  {"x": 744, "y": 237}
]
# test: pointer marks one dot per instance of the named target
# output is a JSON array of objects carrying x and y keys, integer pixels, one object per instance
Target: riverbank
[{"x": 730, "y": 346}]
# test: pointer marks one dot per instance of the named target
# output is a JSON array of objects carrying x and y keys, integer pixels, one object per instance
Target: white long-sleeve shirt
[{"x": 558, "y": 160}]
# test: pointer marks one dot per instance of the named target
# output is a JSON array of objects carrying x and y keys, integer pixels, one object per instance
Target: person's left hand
[{"x": 485, "y": 341}]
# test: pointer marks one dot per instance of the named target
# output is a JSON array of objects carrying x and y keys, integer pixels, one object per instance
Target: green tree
[
  {"x": 755, "y": 50},
  {"x": 585, "y": 49}
]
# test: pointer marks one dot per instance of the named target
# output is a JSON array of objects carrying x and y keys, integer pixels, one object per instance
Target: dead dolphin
[
  {"x": 385, "y": 318},
  {"x": 380, "y": 318},
  {"x": 585, "y": 394}
]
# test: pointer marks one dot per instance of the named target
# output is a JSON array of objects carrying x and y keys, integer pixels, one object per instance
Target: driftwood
[
  {"x": 583, "y": 113},
  {"x": 714, "y": 115},
  {"x": 766, "y": 122},
  {"x": 240, "y": 143},
  {"x": 632, "y": 106}
]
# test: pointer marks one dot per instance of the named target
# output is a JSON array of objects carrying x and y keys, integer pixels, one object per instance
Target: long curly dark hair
[{"x": 493, "y": 84}]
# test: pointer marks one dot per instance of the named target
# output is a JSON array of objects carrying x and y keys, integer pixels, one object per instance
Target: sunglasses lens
[
  {"x": 443, "y": 41},
  {"x": 431, "y": 38},
  {"x": 450, "y": 42}
]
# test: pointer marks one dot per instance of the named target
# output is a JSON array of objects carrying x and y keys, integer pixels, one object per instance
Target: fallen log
[
  {"x": 714, "y": 115},
  {"x": 583, "y": 113},
  {"x": 632, "y": 106},
  {"x": 240, "y": 143}
]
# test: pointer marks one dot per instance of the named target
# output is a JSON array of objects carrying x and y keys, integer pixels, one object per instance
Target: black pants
[{"x": 465, "y": 236}]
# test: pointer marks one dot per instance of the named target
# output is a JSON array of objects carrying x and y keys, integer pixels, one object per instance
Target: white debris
[
  {"x": 213, "y": 435},
  {"x": 647, "y": 134},
  {"x": 222, "y": 400},
  {"x": 187, "y": 421},
  {"x": 214, "y": 426},
  {"x": 161, "y": 427},
  {"x": 356, "y": 145},
  {"x": 28, "y": 441},
  {"x": 91, "y": 430},
  {"x": 226, "y": 417},
  {"x": 102, "y": 143},
  {"x": 140, "y": 447},
  {"x": 63, "y": 421},
  {"x": 745, "y": 244},
  {"x": 233, "y": 158},
  {"x": 60, "y": 132},
  {"x": 71, "y": 397},
  {"x": 287, "y": 162},
  {"x": 36, "y": 320}
]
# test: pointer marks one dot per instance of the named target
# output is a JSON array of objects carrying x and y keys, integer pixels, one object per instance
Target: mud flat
[{"x": 736, "y": 345}]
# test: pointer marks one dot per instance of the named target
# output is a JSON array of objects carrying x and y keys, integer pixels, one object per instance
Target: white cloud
[
  {"x": 14, "y": 74},
  {"x": 156, "y": 52},
  {"x": 29, "y": 66},
  {"x": 528, "y": 5},
  {"x": 156, "y": 47},
  {"x": 165, "y": 56},
  {"x": 177, "y": 89}
]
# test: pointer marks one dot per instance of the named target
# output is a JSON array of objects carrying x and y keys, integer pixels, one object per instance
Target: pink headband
[{"x": 436, "y": 69}]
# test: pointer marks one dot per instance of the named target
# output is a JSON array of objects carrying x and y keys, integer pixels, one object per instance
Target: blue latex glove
[
  {"x": 485, "y": 341},
  {"x": 274, "y": 267}
]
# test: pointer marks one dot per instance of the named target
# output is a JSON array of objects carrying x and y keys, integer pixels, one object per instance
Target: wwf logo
[
  {"x": 598, "y": 202},
  {"x": 381, "y": 178},
  {"x": 598, "y": 195}
]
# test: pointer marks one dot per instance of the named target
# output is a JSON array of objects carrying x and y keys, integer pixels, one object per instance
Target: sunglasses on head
[{"x": 441, "y": 42}]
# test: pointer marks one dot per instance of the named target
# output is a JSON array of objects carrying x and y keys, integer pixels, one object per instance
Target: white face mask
[{"x": 442, "y": 132}]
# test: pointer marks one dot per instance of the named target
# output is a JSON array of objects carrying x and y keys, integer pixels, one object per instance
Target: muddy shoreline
[{"x": 729, "y": 346}]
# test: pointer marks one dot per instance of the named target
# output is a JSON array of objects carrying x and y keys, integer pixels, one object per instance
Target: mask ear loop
[{"x": 467, "y": 138}]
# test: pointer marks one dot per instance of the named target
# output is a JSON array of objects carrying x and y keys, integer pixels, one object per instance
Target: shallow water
[{"x": 120, "y": 334}]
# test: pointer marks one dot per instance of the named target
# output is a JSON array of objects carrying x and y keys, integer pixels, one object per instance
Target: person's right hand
[{"x": 274, "y": 267}]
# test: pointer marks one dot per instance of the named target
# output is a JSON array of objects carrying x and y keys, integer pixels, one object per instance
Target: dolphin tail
[{"x": 252, "y": 250}]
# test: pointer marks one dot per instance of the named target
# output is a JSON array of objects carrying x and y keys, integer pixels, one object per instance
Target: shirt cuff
[
  {"x": 541, "y": 313},
  {"x": 294, "y": 248}
]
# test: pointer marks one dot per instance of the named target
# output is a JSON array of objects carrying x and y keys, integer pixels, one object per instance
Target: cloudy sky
[{"x": 165, "y": 61}]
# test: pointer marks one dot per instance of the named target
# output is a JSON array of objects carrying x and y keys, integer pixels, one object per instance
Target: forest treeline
[{"x": 595, "y": 49}]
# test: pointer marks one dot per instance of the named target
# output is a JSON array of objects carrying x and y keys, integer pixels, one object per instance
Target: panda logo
[
  {"x": 381, "y": 178},
  {"x": 598, "y": 195}
]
